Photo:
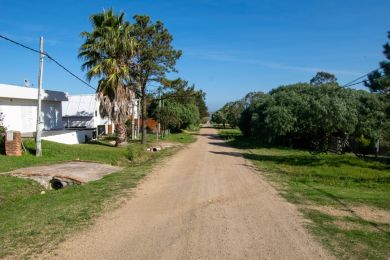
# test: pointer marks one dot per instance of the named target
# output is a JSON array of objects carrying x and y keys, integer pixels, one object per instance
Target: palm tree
[{"x": 106, "y": 51}]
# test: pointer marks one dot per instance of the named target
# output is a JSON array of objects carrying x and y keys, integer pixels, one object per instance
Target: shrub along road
[{"x": 206, "y": 202}]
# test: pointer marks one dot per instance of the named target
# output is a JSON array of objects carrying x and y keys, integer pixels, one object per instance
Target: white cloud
[{"x": 225, "y": 56}]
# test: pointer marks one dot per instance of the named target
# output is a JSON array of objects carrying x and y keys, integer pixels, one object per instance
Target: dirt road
[{"x": 206, "y": 202}]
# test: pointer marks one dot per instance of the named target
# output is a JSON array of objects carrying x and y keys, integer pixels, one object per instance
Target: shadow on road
[{"x": 235, "y": 154}]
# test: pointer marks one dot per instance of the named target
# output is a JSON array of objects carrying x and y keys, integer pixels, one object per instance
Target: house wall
[
  {"x": 98, "y": 119},
  {"x": 82, "y": 111},
  {"x": 52, "y": 112},
  {"x": 72, "y": 137},
  {"x": 21, "y": 114},
  {"x": 78, "y": 122}
]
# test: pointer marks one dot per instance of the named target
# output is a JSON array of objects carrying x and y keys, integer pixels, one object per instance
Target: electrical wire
[
  {"x": 382, "y": 77},
  {"x": 351, "y": 83},
  {"x": 71, "y": 73},
  {"x": 50, "y": 58}
]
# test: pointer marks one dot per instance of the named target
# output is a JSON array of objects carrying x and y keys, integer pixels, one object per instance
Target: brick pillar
[
  {"x": 13, "y": 146},
  {"x": 109, "y": 129}
]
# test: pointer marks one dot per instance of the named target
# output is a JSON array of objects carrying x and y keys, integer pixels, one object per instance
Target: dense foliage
[
  {"x": 126, "y": 57},
  {"x": 231, "y": 112},
  {"x": 154, "y": 58},
  {"x": 180, "y": 106},
  {"x": 323, "y": 77},
  {"x": 318, "y": 117}
]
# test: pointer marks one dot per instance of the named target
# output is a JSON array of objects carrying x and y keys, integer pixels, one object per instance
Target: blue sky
[{"x": 230, "y": 47}]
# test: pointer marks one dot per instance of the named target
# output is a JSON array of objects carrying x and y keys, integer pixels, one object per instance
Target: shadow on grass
[
  {"x": 30, "y": 150},
  {"x": 312, "y": 160},
  {"x": 101, "y": 143},
  {"x": 241, "y": 142},
  {"x": 347, "y": 208}
]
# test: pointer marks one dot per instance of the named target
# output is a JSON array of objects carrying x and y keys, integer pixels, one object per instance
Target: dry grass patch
[{"x": 364, "y": 212}]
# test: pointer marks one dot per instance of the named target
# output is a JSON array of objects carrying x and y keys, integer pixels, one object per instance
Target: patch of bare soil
[
  {"x": 372, "y": 214},
  {"x": 353, "y": 226},
  {"x": 363, "y": 212}
]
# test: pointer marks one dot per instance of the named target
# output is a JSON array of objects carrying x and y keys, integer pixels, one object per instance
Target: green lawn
[
  {"x": 340, "y": 182},
  {"x": 31, "y": 222},
  {"x": 183, "y": 137}
]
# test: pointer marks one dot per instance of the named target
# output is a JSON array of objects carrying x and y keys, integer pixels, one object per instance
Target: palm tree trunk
[{"x": 120, "y": 130}]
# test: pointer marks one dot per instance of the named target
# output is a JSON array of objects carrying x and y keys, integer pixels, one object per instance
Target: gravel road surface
[{"x": 205, "y": 202}]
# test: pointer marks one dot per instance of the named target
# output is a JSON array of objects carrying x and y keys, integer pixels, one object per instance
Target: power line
[
  {"x": 50, "y": 58},
  {"x": 382, "y": 77},
  {"x": 71, "y": 73},
  {"x": 20, "y": 44},
  {"x": 351, "y": 83}
]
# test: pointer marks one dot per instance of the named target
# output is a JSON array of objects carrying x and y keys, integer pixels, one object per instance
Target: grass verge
[
  {"x": 31, "y": 222},
  {"x": 346, "y": 198},
  {"x": 184, "y": 138}
]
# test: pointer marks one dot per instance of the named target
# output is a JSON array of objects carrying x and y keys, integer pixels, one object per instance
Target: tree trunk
[
  {"x": 143, "y": 116},
  {"x": 120, "y": 130}
]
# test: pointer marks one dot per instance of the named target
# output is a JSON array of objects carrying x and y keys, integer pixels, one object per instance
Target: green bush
[
  {"x": 135, "y": 151},
  {"x": 308, "y": 117},
  {"x": 362, "y": 145}
]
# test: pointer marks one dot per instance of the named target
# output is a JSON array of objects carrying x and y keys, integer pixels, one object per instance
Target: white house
[
  {"x": 82, "y": 111},
  {"x": 19, "y": 106}
]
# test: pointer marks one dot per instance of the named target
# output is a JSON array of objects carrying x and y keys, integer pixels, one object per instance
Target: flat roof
[{"x": 20, "y": 92}]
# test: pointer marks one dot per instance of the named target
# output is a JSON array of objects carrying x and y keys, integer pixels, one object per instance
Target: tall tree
[
  {"x": 380, "y": 81},
  {"x": 106, "y": 50},
  {"x": 182, "y": 105},
  {"x": 155, "y": 57},
  {"x": 201, "y": 104},
  {"x": 323, "y": 78},
  {"x": 219, "y": 117}
]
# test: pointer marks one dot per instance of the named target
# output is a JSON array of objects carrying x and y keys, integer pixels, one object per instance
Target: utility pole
[
  {"x": 138, "y": 117},
  {"x": 132, "y": 119},
  {"x": 38, "y": 145},
  {"x": 163, "y": 124},
  {"x": 159, "y": 113}
]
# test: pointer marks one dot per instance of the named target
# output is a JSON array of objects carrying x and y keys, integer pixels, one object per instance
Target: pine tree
[{"x": 379, "y": 80}]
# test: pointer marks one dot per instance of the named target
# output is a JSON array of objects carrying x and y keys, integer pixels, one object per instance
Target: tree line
[
  {"x": 180, "y": 106},
  {"x": 319, "y": 115},
  {"x": 127, "y": 58}
]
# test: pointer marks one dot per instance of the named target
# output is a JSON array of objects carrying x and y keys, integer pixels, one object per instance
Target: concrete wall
[
  {"x": 71, "y": 137},
  {"x": 21, "y": 114}
]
